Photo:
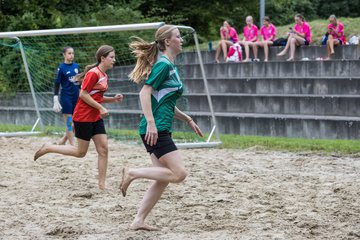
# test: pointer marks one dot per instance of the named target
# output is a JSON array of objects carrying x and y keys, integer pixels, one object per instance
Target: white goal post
[{"x": 104, "y": 29}]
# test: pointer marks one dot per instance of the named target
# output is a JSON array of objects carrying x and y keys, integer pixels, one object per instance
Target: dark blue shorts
[{"x": 68, "y": 104}]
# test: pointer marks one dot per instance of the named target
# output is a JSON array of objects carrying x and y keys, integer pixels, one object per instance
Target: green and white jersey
[{"x": 165, "y": 81}]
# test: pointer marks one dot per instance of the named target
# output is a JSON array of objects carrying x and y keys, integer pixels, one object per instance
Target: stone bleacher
[{"x": 310, "y": 99}]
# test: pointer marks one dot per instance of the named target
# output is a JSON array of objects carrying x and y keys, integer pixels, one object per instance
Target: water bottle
[{"x": 210, "y": 46}]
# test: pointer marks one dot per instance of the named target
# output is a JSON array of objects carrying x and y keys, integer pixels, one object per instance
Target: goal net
[{"x": 37, "y": 55}]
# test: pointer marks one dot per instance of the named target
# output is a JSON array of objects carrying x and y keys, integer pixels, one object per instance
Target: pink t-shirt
[
  {"x": 250, "y": 33},
  {"x": 304, "y": 29},
  {"x": 338, "y": 29},
  {"x": 268, "y": 33},
  {"x": 232, "y": 34}
]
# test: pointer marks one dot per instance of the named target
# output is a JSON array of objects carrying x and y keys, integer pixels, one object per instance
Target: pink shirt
[
  {"x": 304, "y": 29},
  {"x": 268, "y": 33},
  {"x": 338, "y": 29},
  {"x": 232, "y": 34},
  {"x": 250, "y": 33}
]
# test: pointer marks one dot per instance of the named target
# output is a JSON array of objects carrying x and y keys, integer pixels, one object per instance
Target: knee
[
  {"x": 292, "y": 40},
  {"x": 103, "y": 150},
  {"x": 81, "y": 154},
  {"x": 180, "y": 176}
]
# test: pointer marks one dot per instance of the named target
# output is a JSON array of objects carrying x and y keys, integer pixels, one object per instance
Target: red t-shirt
[{"x": 95, "y": 83}]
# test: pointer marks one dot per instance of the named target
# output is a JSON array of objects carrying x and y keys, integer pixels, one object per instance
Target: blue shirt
[{"x": 65, "y": 77}]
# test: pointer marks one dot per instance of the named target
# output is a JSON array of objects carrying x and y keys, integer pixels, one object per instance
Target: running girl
[{"x": 89, "y": 112}]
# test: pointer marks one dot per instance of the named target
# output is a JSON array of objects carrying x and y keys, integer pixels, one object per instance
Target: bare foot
[
  {"x": 125, "y": 181},
  {"x": 280, "y": 54},
  {"x": 327, "y": 59},
  {"x": 332, "y": 53},
  {"x": 40, "y": 152},
  {"x": 62, "y": 141},
  {"x": 217, "y": 61},
  {"x": 246, "y": 60},
  {"x": 102, "y": 187},
  {"x": 290, "y": 59},
  {"x": 143, "y": 226}
]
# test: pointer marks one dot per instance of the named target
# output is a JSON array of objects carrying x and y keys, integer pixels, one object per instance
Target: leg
[
  {"x": 69, "y": 129},
  {"x": 295, "y": 41},
  {"x": 174, "y": 172},
  {"x": 284, "y": 51},
  {"x": 247, "y": 51},
  {"x": 255, "y": 49},
  {"x": 266, "y": 49},
  {"x": 292, "y": 49},
  {"x": 331, "y": 44},
  {"x": 169, "y": 168},
  {"x": 78, "y": 151},
  {"x": 101, "y": 145},
  {"x": 149, "y": 200},
  {"x": 225, "y": 44},
  {"x": 218, "y": 51}
]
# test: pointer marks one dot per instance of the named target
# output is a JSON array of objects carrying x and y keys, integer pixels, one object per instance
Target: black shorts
[
  {"x": 86, "y": 130},
  {"x": 306, "y": 42},
  {"x": 164, "y": 144}
]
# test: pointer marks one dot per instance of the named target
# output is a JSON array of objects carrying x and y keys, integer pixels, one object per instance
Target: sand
[{"x": 229, "y": 194}]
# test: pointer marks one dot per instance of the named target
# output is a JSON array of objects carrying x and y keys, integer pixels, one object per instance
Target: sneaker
[{"x": 256, "y": 60}]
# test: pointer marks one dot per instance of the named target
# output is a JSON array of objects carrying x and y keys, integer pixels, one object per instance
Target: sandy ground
[{"x": 229, "y": 194}]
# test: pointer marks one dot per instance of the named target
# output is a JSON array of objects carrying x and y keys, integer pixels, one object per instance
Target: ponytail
[{"x": 146, "y": 55}]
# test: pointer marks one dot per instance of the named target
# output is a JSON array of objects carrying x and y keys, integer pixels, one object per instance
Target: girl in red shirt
[{"x": 88, "y": 113}]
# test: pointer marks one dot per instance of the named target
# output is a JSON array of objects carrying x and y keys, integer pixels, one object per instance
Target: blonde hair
[
  {"x": 146, "y": 53},
  {"x": 102, "y": 51}
]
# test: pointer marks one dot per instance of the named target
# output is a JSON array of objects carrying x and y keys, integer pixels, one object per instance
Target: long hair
[
  {"x": 103, "y": 51},
  {"x": 301, "y": 17},
  {"x": 146, "y": 53}
]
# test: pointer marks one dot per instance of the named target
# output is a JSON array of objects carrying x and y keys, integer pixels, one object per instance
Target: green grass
[
  {"x": 230, "y": 141},
  {"x": 291, "y": 144}
]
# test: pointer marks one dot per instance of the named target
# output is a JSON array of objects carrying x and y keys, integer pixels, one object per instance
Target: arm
[
  {"x": 85, "y": 96},
  {"x": 185, "y": 118},
  {"x": 116, "y": 98},
  {"x": 145, "y": 100},
  {"x": 57, "y": 106}
]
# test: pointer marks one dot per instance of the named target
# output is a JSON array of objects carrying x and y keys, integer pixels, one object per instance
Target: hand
[
  {"x": 104, "y": 112},
  {"x": 118, "y": 98},
  {"x": 151, "y": 136},
  {"x": 57, "y": 106},
  {"x": 195, "y": 127}
]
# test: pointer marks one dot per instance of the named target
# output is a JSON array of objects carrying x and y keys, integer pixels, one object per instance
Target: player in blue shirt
[{"x": 65, "y": 78}]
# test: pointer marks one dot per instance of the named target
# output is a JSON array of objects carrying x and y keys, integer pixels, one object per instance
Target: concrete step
[
  {"x": 281, "y": 125},
  {"x": 286, "y": 85},
  {"x": 276, "y": 69},
  {"x": 349, "y": 52},
  {"x": 306, "y": 104}
]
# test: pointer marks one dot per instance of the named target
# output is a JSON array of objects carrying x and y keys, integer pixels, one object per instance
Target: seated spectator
[
  {"x": 268, "y": 33},
  {"x": 300, "y": 35},
  {"x": 250, "y": 37},
  {"x": 228, "y": 36},
  {"x": 336, "y": 35}
]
